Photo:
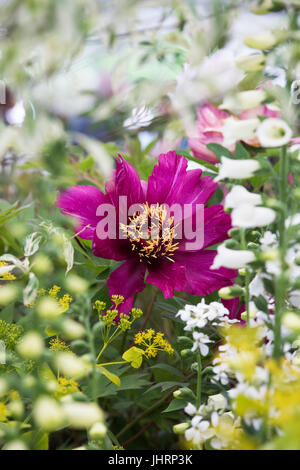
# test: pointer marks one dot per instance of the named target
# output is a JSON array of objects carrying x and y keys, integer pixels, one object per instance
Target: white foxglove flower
[
  {"x": 48, "y": 414},
  {"x": 71, "y": 366},
  {"x": 240, "y": 195},
  {"x": 274, "y": 132},
  {"x": 244, "y": 100},
  {"x": 247, "y": 216},
  {"x": 140, "y": 117},
  {"x": 195, "y": 166},
  {"x": 239, "y": 129},
  {"x": 81, "y": 415},
  {"x": 237, "y": 169},
  {"x": 200, "y": 342},
  {"x": 233, "y": 259}
]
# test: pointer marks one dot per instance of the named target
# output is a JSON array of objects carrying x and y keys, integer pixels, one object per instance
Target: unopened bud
[
  {"x": 270, "y": 255},
  {"x": 98, "y": 431},
  {"x": 31, "y": 346},
  {"x": 251, "y": 63},
  {"x": 184, "y": 392},
  {"x": 231, "y": 292},
  {"x": 292, "y": 321},
  {"x": 180, "y": 428},
  {"x": 262, "y": 41}
]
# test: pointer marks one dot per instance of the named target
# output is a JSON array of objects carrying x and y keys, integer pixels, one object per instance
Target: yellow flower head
[{"x": 153, "y": 343}]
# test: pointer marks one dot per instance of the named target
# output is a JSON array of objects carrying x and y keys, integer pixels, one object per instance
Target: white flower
[
  {"x": 194, "y": 315},
  {"x": 199, "y": 432},
  {"x": 31, "y": 346},
  {"x": 195, "y": 166},
  {"x": 81, "y": 415},
  {"x": 48, "y": 414},
  {"x": 190, "y": 409},
  {"x": 71, "y": 366},
  {"x": 239, "y": 196},
  {"x": 239, "y": 129},
  {"x": 233, "y": 259},
  {"x": 221, "y": 373},
  {"x": 16, "y": 115},
  {"x": 247, "y": 216},
  {"x": 274, "y": 132},
  {"x": 269, "y": 240},
  {"x": 140, "y": 117},
  {"x": 239, "y": 102},
  {"x": 217, "y": 402},
  {"x": 236, "y": 169},
  {"x": 200, "y": 342},
  {"x": 216, "y": 310}
]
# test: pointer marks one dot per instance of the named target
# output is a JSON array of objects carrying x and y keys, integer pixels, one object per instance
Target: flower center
[{"x": 151, "y": 233}]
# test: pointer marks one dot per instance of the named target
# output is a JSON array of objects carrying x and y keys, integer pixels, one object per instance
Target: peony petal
[
  {"x": 117, "y": 250},
  {"x": 200, "y": 280},
  {"x": 215, "y": 225},
  {"x": 167, "y": 277},
  {"x": 127, "y": 280},
  {"x": 167, "y": 179},
  {"x": 125, "y": 182},
  {"x": 82, "y": 202}
]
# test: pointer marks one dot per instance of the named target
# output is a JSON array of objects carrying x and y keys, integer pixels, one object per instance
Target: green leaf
[
  {"x": 250, "y": 81},
  {"x": 109, "y": 375},
  {"x": 219, "y": 151},
  {"x": 207, "y": 165},
  {"x": 134, "y": 355},
  {"x": 175, "y": 405},
  {"x": 241, "y": 152},
  {"x": 172, "y": 370}
]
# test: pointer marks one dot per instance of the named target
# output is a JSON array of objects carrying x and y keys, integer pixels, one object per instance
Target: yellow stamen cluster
[
  {"x": 153, "y": 343},
  {"x": 152, "y": 233},
  {"x": 6, "y": 276}
]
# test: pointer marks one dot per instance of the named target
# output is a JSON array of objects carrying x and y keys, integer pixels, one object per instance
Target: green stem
[
  {"x": 111, "y": 363},
  {"x": 281, "y": 285},
  {"x": 114, "y": 336},
  {"x": 199, "y": 379},
  {"x": 247, "y": 277}
]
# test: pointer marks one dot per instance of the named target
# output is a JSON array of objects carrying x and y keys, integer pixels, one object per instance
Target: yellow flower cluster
[
  {"x": 112, "y": 317},
  {"x": 66, "y": 387},
  {"x": 56, "y": 344},
  {"x": 153, "y": 342},
  {"x": 64, "y": 301},
  {"x": 6, "y": 276},
  {"x": 5, "y": 412}
]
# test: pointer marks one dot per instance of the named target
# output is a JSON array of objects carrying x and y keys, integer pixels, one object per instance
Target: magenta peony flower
[
  {"x": 164, "y": 260},
  {"x": 235, "y": 310},
  {"x": 210, "y": 122}
]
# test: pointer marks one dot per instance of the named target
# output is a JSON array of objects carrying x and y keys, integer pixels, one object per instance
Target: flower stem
[
  {"x": 247, "y": 277},
  {"x": 281, "y": 285},
  {"x": 199, "y": 379}
]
